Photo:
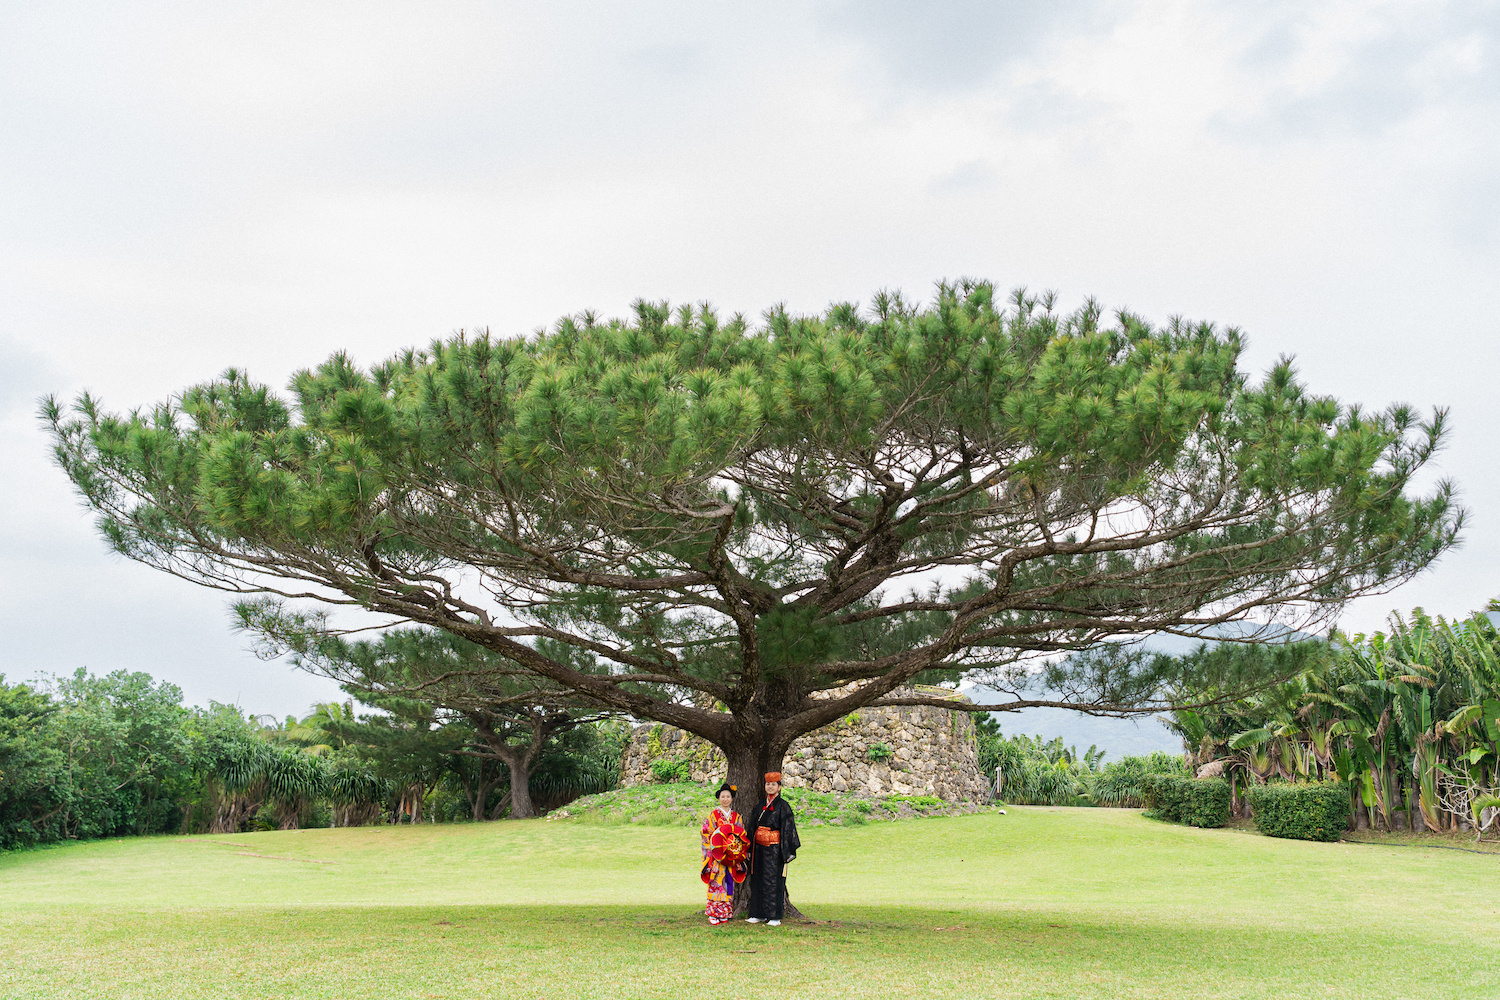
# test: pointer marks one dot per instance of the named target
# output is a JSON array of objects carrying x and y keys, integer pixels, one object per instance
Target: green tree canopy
[
  {"x": 757, "y": 528},
  {"x": 92, "y": 757}
]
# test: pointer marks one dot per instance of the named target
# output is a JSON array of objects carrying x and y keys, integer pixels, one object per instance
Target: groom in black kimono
[{"x": 773, "y": 831}]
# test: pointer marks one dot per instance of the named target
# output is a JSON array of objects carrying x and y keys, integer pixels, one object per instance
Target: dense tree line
[
  {"x": 1408, "y": 719},
  {"x": 119, "y": 755},
  {"x": 96, "y": 757}
]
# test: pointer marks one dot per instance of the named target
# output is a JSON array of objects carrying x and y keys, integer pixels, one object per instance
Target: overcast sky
[{"x": 185, "y": 187}]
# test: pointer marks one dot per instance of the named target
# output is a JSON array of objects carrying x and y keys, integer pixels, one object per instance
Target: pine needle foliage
[{"x": 759, "y": 528}]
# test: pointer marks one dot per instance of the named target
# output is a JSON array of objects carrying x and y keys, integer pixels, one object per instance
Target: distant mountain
[{"x": 1116, "y": 737}]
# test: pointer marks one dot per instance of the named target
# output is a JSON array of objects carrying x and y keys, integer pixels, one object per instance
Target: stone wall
[{"x": 932, "y": 751}]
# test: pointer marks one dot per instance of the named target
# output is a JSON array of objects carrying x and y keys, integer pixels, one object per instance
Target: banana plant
[
  {"x": 1364, "y": 696},
  {"x": 1422, "y": 732},
  {"x": 1477, "y": 766},
  {"x": 1194, "y": 731},
  {"x": 1351, "y": 763},
  {"x": 1405, "y": 717}
]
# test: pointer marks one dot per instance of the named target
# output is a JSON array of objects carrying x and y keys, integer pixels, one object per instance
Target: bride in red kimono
[{"x": 725, "y": 849}]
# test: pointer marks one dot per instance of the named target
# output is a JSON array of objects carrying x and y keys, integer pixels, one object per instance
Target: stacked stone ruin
[{"x": 909, "y": 750}]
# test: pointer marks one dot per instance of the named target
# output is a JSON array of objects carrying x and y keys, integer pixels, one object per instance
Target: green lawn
[{"x": 1037, "y": 903}]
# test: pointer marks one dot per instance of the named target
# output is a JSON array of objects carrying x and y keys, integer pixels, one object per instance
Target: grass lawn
[{"x": 1037, "y": 903}]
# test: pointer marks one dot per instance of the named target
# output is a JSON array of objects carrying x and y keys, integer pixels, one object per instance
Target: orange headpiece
[{"x": 773, "y": 776}]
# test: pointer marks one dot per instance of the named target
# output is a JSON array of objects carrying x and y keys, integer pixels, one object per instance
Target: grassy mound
[{"x": 687, "y": 804}]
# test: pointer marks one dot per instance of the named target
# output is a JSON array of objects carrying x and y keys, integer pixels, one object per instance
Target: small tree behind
[{"x": 515, "y": 715}]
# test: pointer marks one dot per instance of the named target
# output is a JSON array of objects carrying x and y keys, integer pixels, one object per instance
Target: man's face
[{"x": 772, "y": 787}]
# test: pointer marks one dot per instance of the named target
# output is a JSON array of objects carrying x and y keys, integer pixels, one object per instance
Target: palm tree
[
  {"x": 233, "y": 764},
  {"x": 355, "y": 791},
  {"x": 295, "y": 779}
]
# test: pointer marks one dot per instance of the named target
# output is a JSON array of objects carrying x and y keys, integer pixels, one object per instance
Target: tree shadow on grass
[{"x": 658, "y": 951}]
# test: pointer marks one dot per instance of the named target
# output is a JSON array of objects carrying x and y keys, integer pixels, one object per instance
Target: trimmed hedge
[
  {"x": 1194, "y": 801},
  {"x": 1315, "y": 810}
]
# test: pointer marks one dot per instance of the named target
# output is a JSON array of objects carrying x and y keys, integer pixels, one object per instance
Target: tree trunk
[
  {"x": 231, "y": 809},
  {"x": 747, "y": 769},
  {"x": 519, "y": 759},
  {"x": 520, "y": 790},
  {"x": 742, "y": 902},
  {"x": 410, "y": 804},
  {"x": 478, "y": 794},
  {"x": 748, "y": 766},
  {"x": 476, "y": 806}
]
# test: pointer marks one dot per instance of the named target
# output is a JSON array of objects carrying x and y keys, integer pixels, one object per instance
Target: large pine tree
[{"x": 752, "y": 530}]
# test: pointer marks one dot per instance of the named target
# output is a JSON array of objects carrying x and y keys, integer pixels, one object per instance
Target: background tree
[
  {"x": 231, "y": 758},
  {"x": 119, "y": 755},
  {"x": 30, "y": 768},
  {"x": 581, "y": 760},
  {"x": 355, "y": 791},
  {"x": 409, "y": 746},
  {"x": 295, "y": 780},
  {"x": 126, "y": 754},
  {"x": 514, "y": 714},
  {"x": 756, "y": 530},
  {"x": 93, "y": 757}
]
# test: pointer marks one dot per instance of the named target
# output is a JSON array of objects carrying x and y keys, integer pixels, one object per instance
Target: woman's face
[{"x": 726, "y": 799}]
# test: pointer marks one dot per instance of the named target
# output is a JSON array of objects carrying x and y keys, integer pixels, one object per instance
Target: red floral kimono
[{"x": 725, "y": 849}]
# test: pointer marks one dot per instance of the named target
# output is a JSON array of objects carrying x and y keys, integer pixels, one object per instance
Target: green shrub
[
  {"x": 1197, "y": 802},
  {"x": 654, "y": 746},
  {"x": 1162, "y": 795},
  {"x": 917, "y": 802},
  {"x": 1035, "y": 771},
  {"x": 669, "y": 771},
  {"x": 1119, "y": 783},
  {"x": 1034, "y": 782},
  {"x": 879, "y": 752},
  {"x": 1317, "y": 810}
]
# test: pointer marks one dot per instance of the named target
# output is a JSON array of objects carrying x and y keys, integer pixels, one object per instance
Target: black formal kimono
[{"x": 771, "y": 821}]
